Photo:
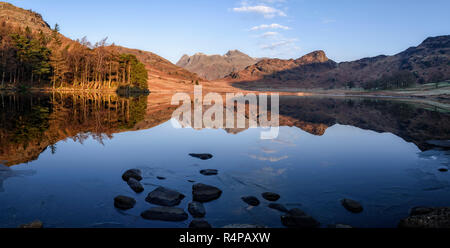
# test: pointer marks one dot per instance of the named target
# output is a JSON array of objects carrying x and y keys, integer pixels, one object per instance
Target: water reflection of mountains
[{"x": 32, "y": 123}]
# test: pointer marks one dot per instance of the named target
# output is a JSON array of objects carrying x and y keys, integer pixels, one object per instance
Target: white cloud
[
  {"x": 266, "y": 11},
  {"x": 269, "y": 34},
  {"x": 278, "y": 44},
  {"x": 270, "y": 26}
]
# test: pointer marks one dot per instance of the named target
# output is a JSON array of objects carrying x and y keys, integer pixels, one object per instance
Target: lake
[{"x": 63, "y": 156}]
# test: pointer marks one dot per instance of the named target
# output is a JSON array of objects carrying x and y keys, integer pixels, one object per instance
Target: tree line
[{"x": 44, "y": 59}]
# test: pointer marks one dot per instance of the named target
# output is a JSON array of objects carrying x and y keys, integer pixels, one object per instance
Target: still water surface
[{"x": 64, "y": 156}]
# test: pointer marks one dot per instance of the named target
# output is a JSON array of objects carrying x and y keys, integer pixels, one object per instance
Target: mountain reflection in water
[{"x": 32, "y": 123}]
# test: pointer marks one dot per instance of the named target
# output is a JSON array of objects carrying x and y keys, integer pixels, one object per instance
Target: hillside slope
[
  {"x": 158, "y": 68},
  {"x": 428, "y": 62}
]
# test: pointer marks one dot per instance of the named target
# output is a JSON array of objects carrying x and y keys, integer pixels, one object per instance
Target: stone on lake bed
[
  {"x": 443, "y": 169},
  {"x": 209, "y": 172},
  {"x": 296, "y": 218},
  {"x": 160, "y": 178},
  {"x": 202, "y": 156},
  {"x": 278, "y": 207},
  {"x": 436, "y": 218},
  {"x": 352, "y": 205},
  {"x": 135, "y": 185},
  {"x": 124, "y": 202},
  {"x": 164, "y": 197},
  {"x": 199, "y": 224},
  {"x": 205, "y": 193},
  {"x": 271, "y": 196},
  {"x": 196, "y": 209},
  {"x": 251, "y": 200},
  {"x": 340, "y": 226},
  {"x": 133, "y": 173},
  {"x": 420, "y": 211},
  {"x": 165, "y": 214},
  {"x": 32, "y": 225}
]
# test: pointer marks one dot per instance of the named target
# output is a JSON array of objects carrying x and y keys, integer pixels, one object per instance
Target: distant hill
[
  {"x": 214, "y": 67},
  {"x": 157, "y": 66},
  {"x": 426, "y": 63}
]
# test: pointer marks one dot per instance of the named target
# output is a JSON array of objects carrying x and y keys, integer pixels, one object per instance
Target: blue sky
[{"x": 344, "y": 29}]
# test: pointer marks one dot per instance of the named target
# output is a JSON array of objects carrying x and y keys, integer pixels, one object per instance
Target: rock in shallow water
[
  {"x": 296, "y": 218},
  {"x": 133, "y": 173},
  {"x": 205, "y": 193},
  {"x": 436, "y": 218},
  {"x": 199, "y": 224},
  {"x": 202, "y": 156},
  {"x": 443, "y": 169},
  {"x": 164, "y": 197},
  {"x": 209, "y": 172},
  {"x": 124, "y": 202},
  {"x": 34, "y": 224},
  {"x": 340, "y": 226},
  {"x": 165, "y": 214},
  {"x": 196, "y": 209},
  {"x": 135, "y": 185},
  {"x": 251, "y": 200},
  {"x": 352, "y": 205},
  {"x": 278, "y": 207},
  {"x": 271, "y": 196}
]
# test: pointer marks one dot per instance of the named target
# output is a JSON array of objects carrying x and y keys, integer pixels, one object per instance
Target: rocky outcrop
[{"x": 427, "y": 218}]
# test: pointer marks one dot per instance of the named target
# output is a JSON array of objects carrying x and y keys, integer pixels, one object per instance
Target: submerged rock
[
  {"x": 124, "y": 202},
  {"x": 135, "y": 185},
  {"x": 133, "y": 173},
  {"x": 440, "y": 143},
  {"x": 443, "y": 169},
  {"x": 199, "y": 224},
  {"x": 352, "y": 205},
  {"x": 251, "y": 200},
  {"x": 164, "y": 197},
  {"x": 34, "y": 224},
  {"x": 160, "y": 178},
  {"x": 296, "y": 218},
  {"x": 202, "y": 156},
  {"x": 196, "y": 209},
  {"x": 271, "y": 196},
  {"x": 278, "y": 207},
  {"x": 165, "y": 214},
  {"x": 436, "y": 218},
  {"x": 205, "y": 193},
  {"x": 209, "y": 172}
]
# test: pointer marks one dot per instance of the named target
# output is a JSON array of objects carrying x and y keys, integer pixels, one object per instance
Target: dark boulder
[
  {"x": 271, "y": 196},
  {"x": 124, "y": 202},
  {"x": 251, "y": 200},
  {"x": 209, "y": 172},
  {"x": 205, "y": 193},
  {"x": 202, "y": 156},
  {"x": 135, "y": 185},
  {"x": 133, "y": 173},
  {"x": 164, "y": 197},
  {"x": 352, "y": 205},
  {"x": 165, "y": 214}
]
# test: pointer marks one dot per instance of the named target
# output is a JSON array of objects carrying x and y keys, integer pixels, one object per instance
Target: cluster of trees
[
  {"x": 45, "y": 59},
  {"x": 402, "y": 79}
]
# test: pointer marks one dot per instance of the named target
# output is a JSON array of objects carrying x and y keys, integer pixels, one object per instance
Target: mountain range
[
  {"x": 428, "y": 62},
  {"x": 212, "y": 67}
]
